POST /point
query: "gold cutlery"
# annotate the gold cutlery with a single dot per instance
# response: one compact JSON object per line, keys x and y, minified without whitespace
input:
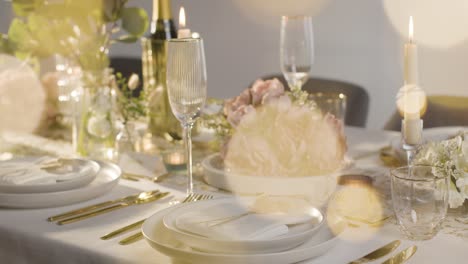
{"x":137,"y":177}
{"x":130,"y":239}
{"x":139,"y":235}
{"x":141,"y":199}
{"x":97,"y":206}
{"x":128,"y":177}
{"x":122,"y":230}
{"x":402,"y":257}
{"x":378,"y":253}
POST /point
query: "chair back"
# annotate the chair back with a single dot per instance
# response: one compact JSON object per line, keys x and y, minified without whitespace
{"x":441,"y":111}
{"x":127,"y":66}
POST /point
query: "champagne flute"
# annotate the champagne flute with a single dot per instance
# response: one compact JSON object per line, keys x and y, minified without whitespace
{"x":186,"y":87}
{"x":296,"y":49}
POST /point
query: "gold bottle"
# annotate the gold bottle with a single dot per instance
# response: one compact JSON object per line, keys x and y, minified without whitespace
{"x":162,"y":122}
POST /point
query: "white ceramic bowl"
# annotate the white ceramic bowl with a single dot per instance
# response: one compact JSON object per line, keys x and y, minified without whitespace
{"x":317,"y":189}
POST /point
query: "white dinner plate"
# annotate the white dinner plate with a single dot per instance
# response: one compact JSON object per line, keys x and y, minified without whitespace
{"x":296,"y":235}
{"x":86,"y":171}
{"x":107,"y":177}
{"x":317,"y":189}
{"x":162,"y":240}
{"x":441,"y":133}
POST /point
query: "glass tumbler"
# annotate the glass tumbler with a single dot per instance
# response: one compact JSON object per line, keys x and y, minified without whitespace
{"x":420,"y":200}
{"x":333,"y":103}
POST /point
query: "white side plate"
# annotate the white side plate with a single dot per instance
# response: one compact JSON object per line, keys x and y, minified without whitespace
{"x":107,"y":177}
{"x":86,"y":170}
{"x":317,"y":189}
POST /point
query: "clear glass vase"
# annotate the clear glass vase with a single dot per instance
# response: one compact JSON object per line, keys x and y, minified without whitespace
{"x":95,"y":125}
{"x":128,"y":139}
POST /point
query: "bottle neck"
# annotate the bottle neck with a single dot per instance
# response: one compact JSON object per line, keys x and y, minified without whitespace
{"x":162,"y":10}
{"x":162,"y":16}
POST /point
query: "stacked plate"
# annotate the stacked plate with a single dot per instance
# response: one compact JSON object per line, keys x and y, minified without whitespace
{"x":190,"y":232}
{"x":35,"y":182}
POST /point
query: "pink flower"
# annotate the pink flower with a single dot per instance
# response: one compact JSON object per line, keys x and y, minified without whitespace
{"x":235,"y":117}
{"x":263,"y":91}
{"x":233,"y":104}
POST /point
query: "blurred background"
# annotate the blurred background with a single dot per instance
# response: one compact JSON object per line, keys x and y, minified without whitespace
{"x":359,"y":41}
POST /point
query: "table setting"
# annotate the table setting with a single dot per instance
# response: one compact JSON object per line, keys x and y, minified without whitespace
{"x":158,"y":172}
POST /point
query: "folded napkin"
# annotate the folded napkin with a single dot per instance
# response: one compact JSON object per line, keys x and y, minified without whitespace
{"x":37,"y":171}
{"x":142,"y":164}
{"x":230,"y":221}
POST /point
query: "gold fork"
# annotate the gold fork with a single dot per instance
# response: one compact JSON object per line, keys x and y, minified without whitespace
{"x":137,"y":236}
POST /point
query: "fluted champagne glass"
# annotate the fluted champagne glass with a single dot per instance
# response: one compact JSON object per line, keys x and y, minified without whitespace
{"x":296,"y":49}
{"x":186,"y":86}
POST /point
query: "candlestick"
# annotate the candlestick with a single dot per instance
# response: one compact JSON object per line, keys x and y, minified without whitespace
{"x":183,"y":32}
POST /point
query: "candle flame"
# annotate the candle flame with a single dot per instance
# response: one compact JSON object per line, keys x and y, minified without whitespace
{"x":182,"y":17}
{"x":411,"y":29}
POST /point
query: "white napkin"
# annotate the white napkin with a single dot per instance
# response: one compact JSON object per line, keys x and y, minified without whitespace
{"x":22,"y":172}
{"x":142,"y":164}
{"x":247,"y":227}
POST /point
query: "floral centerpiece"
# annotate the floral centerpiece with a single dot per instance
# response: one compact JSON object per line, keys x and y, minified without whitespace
{"x":281,"y":134}
{"x":449,"y":157}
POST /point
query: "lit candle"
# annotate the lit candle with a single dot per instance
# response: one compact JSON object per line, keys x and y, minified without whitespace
{"x":183,"y":32}
{"x":174,"y":158}
{"x":412,"y":123}
{"x":411,"y":57}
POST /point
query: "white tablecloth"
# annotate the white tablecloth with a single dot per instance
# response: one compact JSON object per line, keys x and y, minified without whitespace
{"x":26,"y":236}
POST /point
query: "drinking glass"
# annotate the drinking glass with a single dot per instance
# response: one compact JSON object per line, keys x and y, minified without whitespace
{"x":186,"y":87}
{"x":420,"y":200}
{"x":332,"y":103}
{"x":296,"y":49}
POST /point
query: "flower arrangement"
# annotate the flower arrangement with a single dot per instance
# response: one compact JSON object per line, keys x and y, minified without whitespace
{"x":281,"y":134}
{"x":449,"y":157}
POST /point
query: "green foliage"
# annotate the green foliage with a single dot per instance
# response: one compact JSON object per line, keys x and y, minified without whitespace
{"x":134,"y":21}
{"x":81,"y":30}
{"x":131,"y":107}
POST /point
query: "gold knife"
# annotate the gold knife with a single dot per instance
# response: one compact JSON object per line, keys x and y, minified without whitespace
{"x":151,"y":198}
{"x":402,"y":257}
{"x":122,"y":230}
{"x":131,"y":239}
{"x":93,"y":207}
{"x":378,"y":253}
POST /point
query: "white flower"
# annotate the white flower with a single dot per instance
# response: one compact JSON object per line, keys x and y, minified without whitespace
{"x":449,"y":158}
{"x":456,"y":199}
{"x":133,"y":81}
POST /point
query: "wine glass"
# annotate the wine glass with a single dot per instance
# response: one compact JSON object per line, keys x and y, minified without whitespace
{"x":186,"y":87}
{"x":296,"y":49}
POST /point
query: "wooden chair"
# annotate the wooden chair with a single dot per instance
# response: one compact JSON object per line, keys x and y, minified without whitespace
{"x":357,"y":97}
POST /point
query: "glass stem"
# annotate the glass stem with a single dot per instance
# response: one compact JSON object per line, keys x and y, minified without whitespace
{"x":188,"y":149}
